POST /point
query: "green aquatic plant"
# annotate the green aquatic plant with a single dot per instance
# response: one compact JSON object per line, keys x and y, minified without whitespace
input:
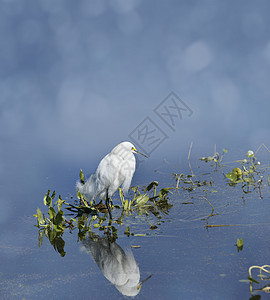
{"x":239,"y":244}
{"x":152,"y":186}
{"x":250,"y":155}
{"x":246,"y":172}
{"x":87,"y":217}
{"x":216,"y":158}
{"x":138,"y":199}
{"x":235,"y":175}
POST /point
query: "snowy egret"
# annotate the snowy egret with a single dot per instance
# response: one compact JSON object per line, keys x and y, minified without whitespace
{"x":115,"y":169}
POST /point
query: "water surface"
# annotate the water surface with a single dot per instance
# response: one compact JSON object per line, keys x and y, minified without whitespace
{"x":187,"y":259}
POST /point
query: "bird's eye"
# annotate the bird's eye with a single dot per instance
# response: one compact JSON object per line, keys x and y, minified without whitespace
{"x":133,"y":149}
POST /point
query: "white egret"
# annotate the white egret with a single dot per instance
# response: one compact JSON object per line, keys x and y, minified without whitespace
{"x":115,"y":169}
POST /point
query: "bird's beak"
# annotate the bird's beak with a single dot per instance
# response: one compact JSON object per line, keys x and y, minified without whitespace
{"x":136,"y":151}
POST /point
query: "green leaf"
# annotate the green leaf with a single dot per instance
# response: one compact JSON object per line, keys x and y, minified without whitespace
{"x":121,"y":195}
{"x":134,"y":189}
{"x":40,"y":237}
{"x":79,"y":195}
{"x":84,"y":201}
{"x":39,"y":216}
{"x":232,"y":176}
{"x":51,"y":213}
{"x":238,"y":172}
{"x":58,"y":228}
{"x":126,"y":204}
{"x":74,"y":220}
{"x":53,"y":195}
{"x":225,"y":150}
{"x":51,"y":235}
{"x":127,"y":231}
{"x":46,"y":232}
{"x":142,"y":199}
{"x":163,"y":192}
{"x":239,"y":243}
{"x":82,"y":177}
{"x":151,"y":185}
{"x":59,"y":218}
{"x":59,"y":202}
{"x":59,"y":244}
{"x":47,"y":199}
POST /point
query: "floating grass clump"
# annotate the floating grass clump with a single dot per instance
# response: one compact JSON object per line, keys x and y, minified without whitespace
{"x":87,"y":217}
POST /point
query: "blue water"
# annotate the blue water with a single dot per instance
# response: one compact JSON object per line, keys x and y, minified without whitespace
{"x":186,"y":259}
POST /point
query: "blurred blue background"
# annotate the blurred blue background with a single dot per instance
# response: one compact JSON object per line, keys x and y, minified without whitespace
{"x":77,"y":77}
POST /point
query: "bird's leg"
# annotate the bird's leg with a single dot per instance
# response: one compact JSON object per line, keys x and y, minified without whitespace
{"x":107,"y":204}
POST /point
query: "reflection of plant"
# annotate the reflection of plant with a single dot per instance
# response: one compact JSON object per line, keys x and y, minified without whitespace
{"x":187,"y":184}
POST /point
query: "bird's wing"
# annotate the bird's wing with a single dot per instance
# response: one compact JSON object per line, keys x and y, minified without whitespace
{"x":114,"y":171}
{"x":127,"y":170}
{"x":108,"y":174}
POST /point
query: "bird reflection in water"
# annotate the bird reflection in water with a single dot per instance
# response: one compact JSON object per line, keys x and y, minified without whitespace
{"x":118,"y":267}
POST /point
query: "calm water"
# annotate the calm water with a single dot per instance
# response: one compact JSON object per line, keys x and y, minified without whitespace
{"x":186,"y":259}
{"x":77,"y":78}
